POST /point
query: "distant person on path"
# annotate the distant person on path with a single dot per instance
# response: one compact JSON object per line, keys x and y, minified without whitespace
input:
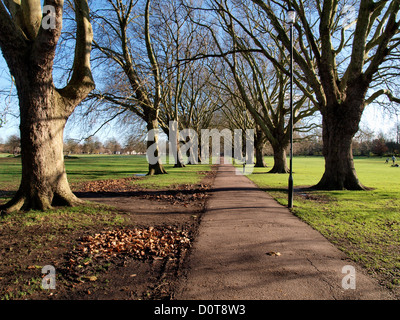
{"x":393,"y":159}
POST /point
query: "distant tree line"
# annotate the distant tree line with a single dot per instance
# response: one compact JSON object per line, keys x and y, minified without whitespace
{"x":92,"y":145}
{"x":366,"y":143}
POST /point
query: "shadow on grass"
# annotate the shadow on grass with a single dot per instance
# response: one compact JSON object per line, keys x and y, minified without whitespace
{"x":101,"y":173}
{"x":6,"y":194}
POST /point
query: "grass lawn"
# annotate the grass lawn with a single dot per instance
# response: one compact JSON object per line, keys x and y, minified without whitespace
{"x":103,"y":167}
{"x":364,"y":224}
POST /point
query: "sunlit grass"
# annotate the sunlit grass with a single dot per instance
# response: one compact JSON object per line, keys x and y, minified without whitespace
{"x":103,"y":167}
{"x":364,"y":224}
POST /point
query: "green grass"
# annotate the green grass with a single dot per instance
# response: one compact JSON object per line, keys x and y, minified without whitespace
{"x":364,"y":224}
{"x":191,"y":174}
{"x":65,"y":218}
{"x":103,"y":167}
{"x":88,"y":167}
{"x":4,"y":155}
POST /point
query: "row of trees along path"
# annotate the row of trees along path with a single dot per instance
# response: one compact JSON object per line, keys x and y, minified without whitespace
{"x":340,"y":92}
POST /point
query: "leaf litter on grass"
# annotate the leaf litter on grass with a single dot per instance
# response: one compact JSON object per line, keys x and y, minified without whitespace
{"x":141,"y":243}
{"x":109,"y":185}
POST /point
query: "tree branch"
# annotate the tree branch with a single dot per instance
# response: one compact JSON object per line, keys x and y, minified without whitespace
{"x":32,"y":13}
{"x":81,"y":82}
{"x":152,"y":57}
{"x":45,"y":43}
{"x":392,"y":28}
{"x":12,"y":39}
{"x":381,"y":92}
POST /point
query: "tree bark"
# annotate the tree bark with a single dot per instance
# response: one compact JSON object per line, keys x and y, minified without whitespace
{"x":260,"y":163}
{"x":280,"y":163}
{"x":339,"y":128}
{"x":157,"y":167}
{"x":178,"y":154}
{"x":259,"y":145}
{"x":44,"y":180}
{"x":152,"y":123}
{"x":44,"y":110}
{"x":178,"y":162}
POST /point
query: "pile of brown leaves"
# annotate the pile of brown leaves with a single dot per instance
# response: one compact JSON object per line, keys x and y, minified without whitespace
{"x":110,"y":185}
{"x":94,"y":252}
{"x":141,"y":243}
{"x":184,"y":196}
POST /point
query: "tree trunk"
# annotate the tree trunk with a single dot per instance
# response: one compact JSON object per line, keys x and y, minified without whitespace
{"x":178,"y":162}
{"x":260,"y":158}
{"x":178,"y":154}
{"x":156,"y":167}
{"x":259,"y":145}
{"x":44,"y":109}
{"x":280,"y":163}
{"x":44,"y":180}
{"x":339,"y":128}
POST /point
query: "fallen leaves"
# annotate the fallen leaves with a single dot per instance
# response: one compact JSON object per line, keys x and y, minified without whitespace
{"x":34,"y":267}
{"x":90,"y":278}
{"x":141,"y":243}
{"x":110,"y":185}
{"x":179,"y":194}
{"x":97,"y":252}
{"x":273,"y":253}
{"x":179,"y":197}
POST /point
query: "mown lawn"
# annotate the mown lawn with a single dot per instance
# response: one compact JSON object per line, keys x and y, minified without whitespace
{"x":364,"y":224}
{"x":102,"y":167}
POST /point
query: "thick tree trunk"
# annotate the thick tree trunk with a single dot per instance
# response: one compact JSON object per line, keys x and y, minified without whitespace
{"x":155,"y":169}
{"x":179,"y":164}
{"x":260,"y":157}
{"x":192,"y":155}
{"x":44,"y":180}
{"x":280,"y":162}
{"x":44,"y":109}
{"x":339,"y":128}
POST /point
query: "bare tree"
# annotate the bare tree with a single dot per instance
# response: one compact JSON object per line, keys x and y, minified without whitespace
{"x":202,"y":99}
{"x":28,"y":43}
{"x":240,"y":118}
{"x":139,"y":90}
{"x":347,"y":51}
{"x":177,"y":39}
{"x":13,"y":144}
{"x":258,"y":83}
{"x":157,"y":81}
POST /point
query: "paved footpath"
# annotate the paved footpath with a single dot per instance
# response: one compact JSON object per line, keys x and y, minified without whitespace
{"x":240,"y":226}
